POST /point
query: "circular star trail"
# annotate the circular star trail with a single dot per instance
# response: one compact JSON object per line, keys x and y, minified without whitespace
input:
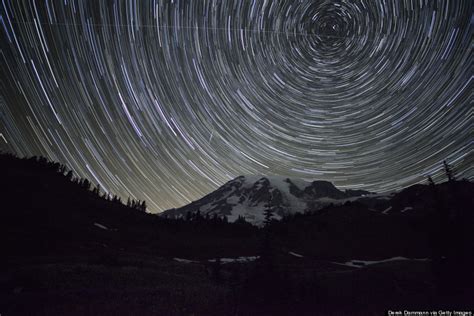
{"x":166,"y":100}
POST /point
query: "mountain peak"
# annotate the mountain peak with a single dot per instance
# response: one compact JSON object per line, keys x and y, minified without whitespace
{"x":250,"y":195}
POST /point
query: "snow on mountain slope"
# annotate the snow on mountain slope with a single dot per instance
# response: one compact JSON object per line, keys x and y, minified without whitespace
{"x":249,"y":196}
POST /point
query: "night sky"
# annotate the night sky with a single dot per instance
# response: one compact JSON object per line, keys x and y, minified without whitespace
{"x":167,"y":100}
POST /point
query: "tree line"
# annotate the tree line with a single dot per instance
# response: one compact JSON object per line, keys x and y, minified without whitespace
{"x":55,"y":168}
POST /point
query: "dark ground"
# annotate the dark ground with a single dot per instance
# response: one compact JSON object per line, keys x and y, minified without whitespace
{"x":56,"y":261}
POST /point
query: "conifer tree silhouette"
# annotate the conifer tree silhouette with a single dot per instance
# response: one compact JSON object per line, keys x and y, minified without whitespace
{"x":69,"y":175}
{"x":96,"y":190}
{"x":449,"y":171}
{"x":268,"y":214}
{"x":430,"y":181}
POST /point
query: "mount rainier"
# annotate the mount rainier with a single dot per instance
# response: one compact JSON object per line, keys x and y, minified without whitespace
{"x":248,"y":196}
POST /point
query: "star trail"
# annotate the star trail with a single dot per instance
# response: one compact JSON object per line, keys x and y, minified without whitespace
{"x":167,"y":100}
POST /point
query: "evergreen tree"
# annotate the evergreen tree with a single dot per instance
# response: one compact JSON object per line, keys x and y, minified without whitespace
{"x":69,"y":175}
{"x":86,"y":184}
{"x":430,"y":181}
{"x":197,"y":216}
{"x":96,"y":190}
{"x":449,"y":172}
{"x":189,"y":216}
{"x":241,"y":220}
{"x":268,"y":214}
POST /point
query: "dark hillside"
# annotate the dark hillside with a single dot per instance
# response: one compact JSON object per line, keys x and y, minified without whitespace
{"x":69,"y":249}
{"x":361,"y":229}
{"x":47,"y":212}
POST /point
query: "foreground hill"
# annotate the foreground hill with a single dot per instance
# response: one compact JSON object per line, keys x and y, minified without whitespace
{"x":69,"y":250}
{"x":45,"y":210}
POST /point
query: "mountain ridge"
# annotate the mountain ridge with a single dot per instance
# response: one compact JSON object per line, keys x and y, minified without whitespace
{"x":248,"y":196}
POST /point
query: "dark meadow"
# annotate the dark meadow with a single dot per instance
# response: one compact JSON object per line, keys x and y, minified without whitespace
{"x":68,"y":248}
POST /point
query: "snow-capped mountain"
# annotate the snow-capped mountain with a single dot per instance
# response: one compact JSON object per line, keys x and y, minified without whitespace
{"x":249,"y":196}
